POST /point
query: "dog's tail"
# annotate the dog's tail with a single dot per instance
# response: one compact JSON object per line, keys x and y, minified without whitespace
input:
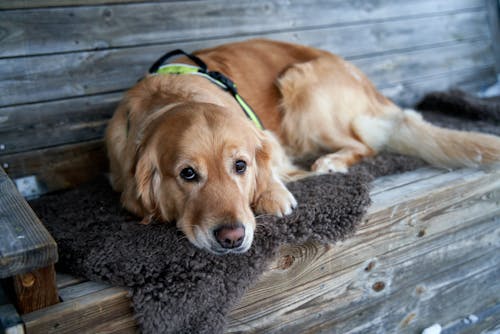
{"x":407,"y":133}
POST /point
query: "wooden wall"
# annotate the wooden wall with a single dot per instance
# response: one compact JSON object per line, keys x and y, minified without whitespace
{"x":64,"y":64}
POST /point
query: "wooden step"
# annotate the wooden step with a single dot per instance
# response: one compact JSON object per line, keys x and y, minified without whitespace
{"x":425,"y":253}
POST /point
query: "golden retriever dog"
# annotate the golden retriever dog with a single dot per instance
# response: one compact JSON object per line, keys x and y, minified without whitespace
{"x":182,"y":150}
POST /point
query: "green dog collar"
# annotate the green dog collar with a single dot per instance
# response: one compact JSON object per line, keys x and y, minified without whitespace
{"x":217,"y":78}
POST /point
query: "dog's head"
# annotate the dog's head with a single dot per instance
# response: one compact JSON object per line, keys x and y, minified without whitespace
{"x":204,"y":167}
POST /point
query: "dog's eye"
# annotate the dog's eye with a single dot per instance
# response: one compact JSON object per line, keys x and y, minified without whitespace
{"x":240,"y":166}
{"x":189,"y":174}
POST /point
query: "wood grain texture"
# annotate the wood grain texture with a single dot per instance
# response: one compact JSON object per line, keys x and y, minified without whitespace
{"x":390,"y":182}
{"x":36,"y":289}
{"x":60,"y":167}
{"x":414,"y":65}
{"x":69,"y":121}
{"x":24,"y":4}
{"x":81,"y":289}
{"x":80,"y":315}
{"x":66,"y":280}
{"x":58,"y":76}
{"x":493,"y":9}
{"x":407,"y":93}
{"x":440,"y":298}
{"x":416,"y":230}
{"x":25,"y":244}
{"x":122,"y":325}
{"x":487,"y":322}
{"x":103,"y":27}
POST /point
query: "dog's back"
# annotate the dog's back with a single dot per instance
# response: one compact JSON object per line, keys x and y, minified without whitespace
{"x":315,"y":102}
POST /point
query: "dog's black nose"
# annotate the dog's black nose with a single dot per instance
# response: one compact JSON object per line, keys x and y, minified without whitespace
{"x":230,"y":236}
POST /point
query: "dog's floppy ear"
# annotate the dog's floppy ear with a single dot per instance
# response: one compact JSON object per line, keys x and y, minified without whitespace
{"x":146,"y":176}
{"x":263,"y":159}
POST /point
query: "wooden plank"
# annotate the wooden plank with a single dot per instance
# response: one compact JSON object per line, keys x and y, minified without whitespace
{"x":80,"y":315}
{"x":83,"y":73}
{"x":25,"y":244}
{"x":346,"y":292}
{"x":82,"y":119}
{"x":399,"y":220}
{"x":59,"y":167}
{"x":459,"y":291}
{"x":493,"y":8}
{"x":36,"y":290}
{"x":407,"y":93}
{"x":81,"y":289}
{"x":389,"y":182}
{"x":487,"y":322}
{"x":65,"y":280}
{"x":35,"y":126}
{"x":416,"y":65}
{"x":123,"y":325}
{"x":125,"y":25}
{"x":23,"y":4}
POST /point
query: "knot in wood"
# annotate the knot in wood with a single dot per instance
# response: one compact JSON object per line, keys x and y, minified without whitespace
{"x":378,"y":286}
{"x":107,"y":13}
{"x":286,"y":262}
{"x":28,"y":280}
{"x":370,"y":266}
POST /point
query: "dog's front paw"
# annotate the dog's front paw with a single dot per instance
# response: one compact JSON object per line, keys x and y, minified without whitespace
{"x":277,"y":201}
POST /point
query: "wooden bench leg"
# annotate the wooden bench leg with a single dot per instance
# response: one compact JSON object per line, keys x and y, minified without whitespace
{"x":36,"y":289}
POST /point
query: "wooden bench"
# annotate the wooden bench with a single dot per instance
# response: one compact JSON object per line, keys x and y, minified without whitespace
{"x":426,"y":251}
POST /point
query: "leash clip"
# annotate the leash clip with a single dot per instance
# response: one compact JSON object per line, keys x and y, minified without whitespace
{"x":230,"y":85}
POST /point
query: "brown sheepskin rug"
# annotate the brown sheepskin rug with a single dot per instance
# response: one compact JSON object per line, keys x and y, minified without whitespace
{"x":176,"y":288}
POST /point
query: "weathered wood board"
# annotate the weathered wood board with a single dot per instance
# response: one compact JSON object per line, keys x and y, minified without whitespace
{"x":27,"y":251}
{"x":114,"y":69}
{"x":424,"y":254}
{"x":90,"y":27}
{"x":25,"y":244}
{"x":60,"y":167}
{"x":424,"y":236}
{"x":493,"y":9}
{"x":36,"y":289}
{"x":82,"y":314}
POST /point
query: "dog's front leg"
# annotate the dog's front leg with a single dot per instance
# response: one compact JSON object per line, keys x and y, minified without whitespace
{"x":275,"y":199}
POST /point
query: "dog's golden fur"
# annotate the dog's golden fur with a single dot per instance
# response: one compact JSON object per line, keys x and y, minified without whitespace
{"x":310,"y":101}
